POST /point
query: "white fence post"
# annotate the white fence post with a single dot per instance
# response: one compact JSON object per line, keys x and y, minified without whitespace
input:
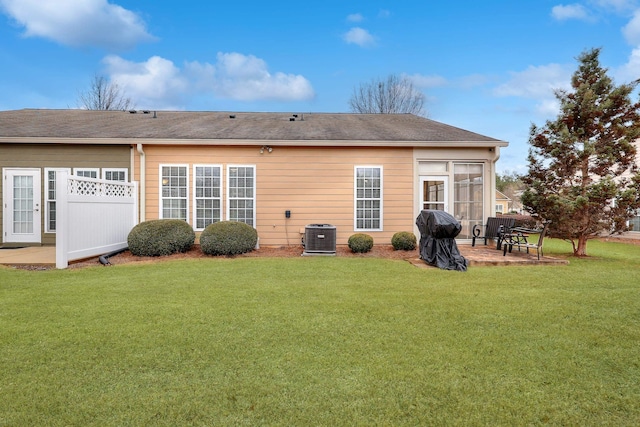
{"x":62,"y":239}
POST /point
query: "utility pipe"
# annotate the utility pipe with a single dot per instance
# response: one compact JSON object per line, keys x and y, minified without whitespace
{"x":143,"y":183}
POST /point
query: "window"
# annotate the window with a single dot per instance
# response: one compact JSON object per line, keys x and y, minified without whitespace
{"x":368,"y":198}
{"x":50,"y":197}
{"x":634,"y":222}
{"x":174,"y":190}
{"x":86,"y":172}
{"x":499,"y":208}
{"x":207,"y":189}
{"x":241,"y":183}
{"x":119,"y":174}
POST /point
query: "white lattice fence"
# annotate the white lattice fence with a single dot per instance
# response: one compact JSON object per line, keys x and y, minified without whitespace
{"x":94,"y":216}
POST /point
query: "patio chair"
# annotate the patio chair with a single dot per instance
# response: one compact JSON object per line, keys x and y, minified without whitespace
{"x":520,"y":239}
{"x":493,"y":229}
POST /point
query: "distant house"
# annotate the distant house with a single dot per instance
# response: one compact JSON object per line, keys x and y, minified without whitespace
{"x":503,"y":203}
{"x":369,"y":173}
{"x":634,"y":223}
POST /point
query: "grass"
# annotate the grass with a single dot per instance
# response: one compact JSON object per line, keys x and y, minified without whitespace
{"x":323,"y":341}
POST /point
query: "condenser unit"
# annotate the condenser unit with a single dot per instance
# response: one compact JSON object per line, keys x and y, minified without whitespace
{"x":319,"y":239}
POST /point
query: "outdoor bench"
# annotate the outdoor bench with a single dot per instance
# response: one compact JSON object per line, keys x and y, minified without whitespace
{"x":493,"y":229}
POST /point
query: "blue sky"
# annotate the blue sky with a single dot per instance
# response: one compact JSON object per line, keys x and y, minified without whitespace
{"x":486,"y":66}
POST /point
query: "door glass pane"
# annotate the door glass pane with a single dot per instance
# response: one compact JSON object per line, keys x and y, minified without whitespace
{"x":22,"y":204}
{"x":433,"y":195}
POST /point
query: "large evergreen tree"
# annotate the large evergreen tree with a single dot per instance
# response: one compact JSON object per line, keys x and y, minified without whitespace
{"x":583,"y":174}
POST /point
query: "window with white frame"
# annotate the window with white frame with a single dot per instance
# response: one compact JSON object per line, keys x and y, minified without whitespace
{"x":241,"y":195}
{"x":50,"y":197}
{"x":368,"y":198}
{"x":174,"y":192}
{"x":207,"y":195}
{"x":499,"y":208}
{"x":86,"y":172}
{"x":115,"y":174}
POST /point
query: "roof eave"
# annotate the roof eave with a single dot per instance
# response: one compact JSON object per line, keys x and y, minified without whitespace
{"x":250,"y":142}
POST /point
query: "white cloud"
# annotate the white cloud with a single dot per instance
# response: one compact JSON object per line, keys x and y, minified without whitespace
{"x":631,"y":31}
{"x":617,"y":5}
{"x":570,"y":11}
{"x":359,"y":36}
{"x":78,"y":22}
{"x":247,"y":78}
{"x":159,"y":83}
{"x":423,"y":81}
{"x":536,"y":82}
{"x":631,"y":70}
{"x":548,"y":107}
{"x":355,"y":17}
{"x":155,"y":83}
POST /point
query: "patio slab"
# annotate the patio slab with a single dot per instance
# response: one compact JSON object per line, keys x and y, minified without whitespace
{"x":30,"y":255}
{"x":489,"y":255}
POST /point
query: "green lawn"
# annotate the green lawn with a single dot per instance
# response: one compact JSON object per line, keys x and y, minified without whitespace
{"x":323,"y":341}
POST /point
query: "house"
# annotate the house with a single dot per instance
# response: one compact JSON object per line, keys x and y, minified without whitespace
{"x":369,"y":173}
{"x":634,"y":223}
{"x":503,"y":203}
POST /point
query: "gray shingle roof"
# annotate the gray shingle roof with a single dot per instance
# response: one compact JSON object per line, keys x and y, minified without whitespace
{"x":184,"y":125}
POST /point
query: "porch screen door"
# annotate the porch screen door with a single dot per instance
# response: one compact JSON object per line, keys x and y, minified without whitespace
{"x":22,"y":214}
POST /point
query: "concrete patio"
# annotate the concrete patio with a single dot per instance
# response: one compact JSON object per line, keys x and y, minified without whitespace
{"x":45,"y":256}
{"x":31,"y":255}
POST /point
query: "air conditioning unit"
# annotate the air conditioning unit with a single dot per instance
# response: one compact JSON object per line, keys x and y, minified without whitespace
{"x":319,"y":239}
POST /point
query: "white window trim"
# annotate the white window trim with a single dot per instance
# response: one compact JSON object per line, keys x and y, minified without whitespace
{"x":355,"y":197}
{"x":445,"y":181}
{"x":96,"y":170}
{"x":46,"y":195}
{"x":195,"y":210}
{"x":125,"y":170}
{"x":160,"y":198}
{"x":227,"y":192}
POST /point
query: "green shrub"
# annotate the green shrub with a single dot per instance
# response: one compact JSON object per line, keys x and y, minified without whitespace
{"x":161,"y":237}
{"x":404,"y":241}
{"x":228,"y":238}
{"x":360,"y":243}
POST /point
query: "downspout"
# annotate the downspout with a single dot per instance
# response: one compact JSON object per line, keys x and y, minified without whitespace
{"x":143,"y":183}
{"x":492,"y":184}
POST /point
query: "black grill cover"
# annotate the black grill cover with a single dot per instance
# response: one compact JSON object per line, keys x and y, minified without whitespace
{"x":438,"y":247}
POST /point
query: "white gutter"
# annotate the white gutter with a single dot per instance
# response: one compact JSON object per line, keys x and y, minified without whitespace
{"x":143,"y":184}
{"x":258,"y":142}
{"x":496,"y":157}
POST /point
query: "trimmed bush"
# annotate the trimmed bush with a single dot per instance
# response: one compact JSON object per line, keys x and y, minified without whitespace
{"x":228,"y":238}
{"x":161,"y":237}
{"x":360,"y":243}
{"x":404,"y":241}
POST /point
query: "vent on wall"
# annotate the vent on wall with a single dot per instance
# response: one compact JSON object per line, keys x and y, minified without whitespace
{"x":320,"y":239}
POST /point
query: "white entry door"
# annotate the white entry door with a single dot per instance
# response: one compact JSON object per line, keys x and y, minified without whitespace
{"x":22,"y":210}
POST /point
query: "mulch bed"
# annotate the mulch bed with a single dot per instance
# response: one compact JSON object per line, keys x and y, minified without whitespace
{"x":378,"y":251}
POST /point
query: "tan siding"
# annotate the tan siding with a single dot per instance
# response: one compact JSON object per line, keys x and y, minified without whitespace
{"x":315,"y":184}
